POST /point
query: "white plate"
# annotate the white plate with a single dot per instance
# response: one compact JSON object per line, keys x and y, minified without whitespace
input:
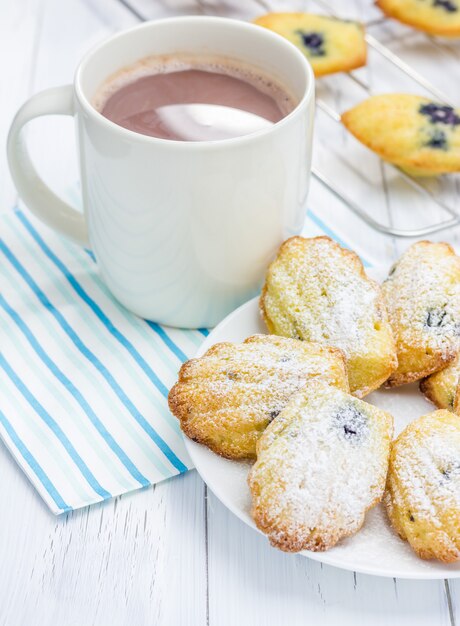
{"x":375,"y":549}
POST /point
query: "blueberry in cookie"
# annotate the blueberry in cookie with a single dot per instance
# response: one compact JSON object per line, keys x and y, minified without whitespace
{"x":226,"y":398}
{"x":417,"y":135}
{"x":331,"y":45}
{"x":321,"y":464}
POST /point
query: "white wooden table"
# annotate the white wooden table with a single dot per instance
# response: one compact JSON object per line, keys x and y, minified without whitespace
{"x":172,"y":555}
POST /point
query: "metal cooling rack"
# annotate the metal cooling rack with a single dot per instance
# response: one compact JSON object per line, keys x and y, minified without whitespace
{"x":373,"y":43}
{"x":395,"y":60}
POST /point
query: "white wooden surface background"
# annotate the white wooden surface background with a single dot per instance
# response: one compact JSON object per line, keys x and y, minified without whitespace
{"x":172,"y":555}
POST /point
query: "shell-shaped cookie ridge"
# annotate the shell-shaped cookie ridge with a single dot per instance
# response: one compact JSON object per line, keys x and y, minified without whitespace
{"x":321,"y":464}
{"x":423,"y":486}
{"x":318,"y":291}
{"x":227,"y":397}
{"x":422,"y":296}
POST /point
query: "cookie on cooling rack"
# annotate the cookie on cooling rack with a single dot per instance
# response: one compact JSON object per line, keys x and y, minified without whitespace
{"x":422,"y":497}
{"x":320,"y":466}
{"x":418,"y":135}
{"x":331,"y":45}
{"x":226,"y":398}
{"x":436,"y":17}
{"x":442,"y":388}
{"x":318,"y":291}
{"x":422,"y":294}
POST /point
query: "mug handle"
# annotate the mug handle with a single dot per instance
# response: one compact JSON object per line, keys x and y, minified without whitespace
{"x":36,"y":194}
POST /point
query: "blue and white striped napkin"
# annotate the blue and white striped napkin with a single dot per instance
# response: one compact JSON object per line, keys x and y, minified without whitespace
{"x":83,"y":382}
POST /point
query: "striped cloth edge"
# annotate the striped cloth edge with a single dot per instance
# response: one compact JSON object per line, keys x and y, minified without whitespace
{"x":84,"y":383}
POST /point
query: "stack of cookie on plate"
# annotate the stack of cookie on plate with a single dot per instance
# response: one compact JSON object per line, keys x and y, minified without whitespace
{"x":292,"y":400}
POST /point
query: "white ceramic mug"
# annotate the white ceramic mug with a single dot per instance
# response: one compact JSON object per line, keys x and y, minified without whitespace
{"x":182,"y":231}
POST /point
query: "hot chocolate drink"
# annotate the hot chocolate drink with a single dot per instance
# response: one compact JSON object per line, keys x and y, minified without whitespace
{"x":193,"y":99}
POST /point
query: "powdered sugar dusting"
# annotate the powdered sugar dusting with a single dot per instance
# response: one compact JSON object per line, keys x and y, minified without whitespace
{"x":317,"y":291}
{"x":423,"y":495}
{"x":422,"y":294}
{"x":321,"y":464}
{"x":324,"y":301}
{"x":226,"y":398}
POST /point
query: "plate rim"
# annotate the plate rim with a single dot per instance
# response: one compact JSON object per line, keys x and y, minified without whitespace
{"x":326,"y":557}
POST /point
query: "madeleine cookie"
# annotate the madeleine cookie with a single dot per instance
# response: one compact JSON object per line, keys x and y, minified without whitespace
{"x":226,"y":398}
{"x":331,"y":45}
{"x":442,"y":388}
{"x":423,"y":486}
{"x":422,"y":294}
{"x":437,"y":17}
{"x":317,"y":291}
{"x":417,"y":135}
{"x":321,"y":464}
